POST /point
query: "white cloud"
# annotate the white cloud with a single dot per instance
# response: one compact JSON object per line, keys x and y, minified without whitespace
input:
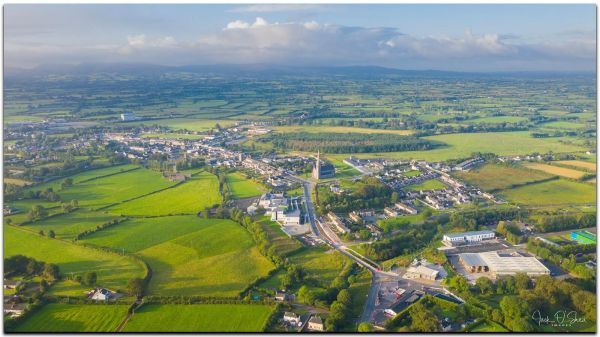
{"x":269,"y":8}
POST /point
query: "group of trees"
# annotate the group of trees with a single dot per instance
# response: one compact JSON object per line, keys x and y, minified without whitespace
{"x":347,"y":142}
{"x":105,"y":225}
{"x":369,"y":192}
{"x":406,"y":242}
{"x":555,"y":223}
{"x":37,"y":212}
{"x":511,"y":232}
{"x":20,"y":265}
{"x":564,"y":256}
{"x":522,"y":297}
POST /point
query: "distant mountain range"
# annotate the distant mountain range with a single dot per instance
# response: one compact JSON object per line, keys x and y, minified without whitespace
{"x":260,"y":70}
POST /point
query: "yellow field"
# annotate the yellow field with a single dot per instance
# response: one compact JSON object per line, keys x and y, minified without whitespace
{"x":556,"y":170}
{"x":579,"y":163}
{"x":337,"y":129}
{"x":19,"y":182}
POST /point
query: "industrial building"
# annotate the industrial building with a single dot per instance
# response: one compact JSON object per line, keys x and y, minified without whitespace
{"x":421,"y":272}
{"x":467,"y":237}
{"x":584,"y":237}
{"x":500,"y":263}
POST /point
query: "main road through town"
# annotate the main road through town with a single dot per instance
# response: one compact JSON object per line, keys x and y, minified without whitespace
{"x":330,"y":238}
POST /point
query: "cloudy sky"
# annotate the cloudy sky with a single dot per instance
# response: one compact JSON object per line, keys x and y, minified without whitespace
{"x":444,"y":37}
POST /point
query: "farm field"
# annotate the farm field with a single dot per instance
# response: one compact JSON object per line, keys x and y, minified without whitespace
{"x":337,"y":129}
{"x":578,"y":163}
{"x":219,"y":259}
{"x":137,"y":234}
{"x":496,"y":120}
{"x":492,"y":177}
{"x":556,"y":170}
{"x":462,"y":145}
{"x":86,"y":175}
{"x":55,"y":317}
{"x":67,"y":226}
{"x":199,"y":317}
{"x":115,"y":188}
{"x":563,"y":125}
{"x":190,"y":197}
{"x":241,"y":187}
{"x":199,"y":125}
{"x":554,"y":192}
{"x":113,"y":271}
{"x":172,"y":136}
{"x":282,"y":243}
{"x":431,"y":184}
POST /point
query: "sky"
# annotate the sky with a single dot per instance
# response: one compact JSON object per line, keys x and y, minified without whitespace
{"x":508,"y":37}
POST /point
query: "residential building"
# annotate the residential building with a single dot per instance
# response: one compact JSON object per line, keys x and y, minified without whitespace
{"x":291,"y":318}
{"x":315,"y":323}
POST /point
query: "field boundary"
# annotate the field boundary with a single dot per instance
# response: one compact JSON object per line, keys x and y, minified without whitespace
{"x":513,"y":186}
{"x":140,"y":196}
{"x":108,"y":175}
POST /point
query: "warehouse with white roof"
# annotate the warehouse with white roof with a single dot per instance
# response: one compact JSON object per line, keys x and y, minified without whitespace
{"x":500,"y":263}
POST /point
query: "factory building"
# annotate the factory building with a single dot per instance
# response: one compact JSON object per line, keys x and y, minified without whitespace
{"x":500,"y":263}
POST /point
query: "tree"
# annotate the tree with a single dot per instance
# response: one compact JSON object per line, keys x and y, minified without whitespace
{"x":422,"y":319}
{"x":516,"y":314}
{"x":135,"y":287}
{"x":51,"y":234}
{"x":44,"y":285}
{"x":41,"y":233}
{"x":344,"y":297}
{"x":484,"y":285}
{"x":90,"y":278}
{"x":522,"y":281}
{"x":51,"y":272}
{"x":365,"y":327}
{"x":394,"y":197}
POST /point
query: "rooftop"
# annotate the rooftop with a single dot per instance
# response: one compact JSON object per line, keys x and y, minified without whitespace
{"x":456,"y":235}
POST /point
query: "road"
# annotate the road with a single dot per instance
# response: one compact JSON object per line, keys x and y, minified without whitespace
{"x":330,"y":238}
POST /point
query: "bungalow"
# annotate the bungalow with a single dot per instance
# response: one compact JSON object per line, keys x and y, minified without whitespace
{"x":281,"y":296}
{"x":100,"y":294}
{"x":315,"y":323}
{"x":14,"y":309}
{"x":290,"y":317}
{"x":10,"y":284}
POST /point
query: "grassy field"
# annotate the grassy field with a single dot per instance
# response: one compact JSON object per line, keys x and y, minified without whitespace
{"x":55,"y":317}
{"x":242,"y":187}
{"x":411,"y":173}
{"x":282,"y":243}
{"x":199,"y":318}
{"x":219,"y":259}
{"x":86,"y":175}
{"x":140,"y":233}
{"x":563,"y":125}
{"x":492,"y":177}
{"x":113,"y":270}
{"x":462,"y":145}
{"x":321,"y":263}
{"x":190,"y":124}
{"x":18,"y":182}
{"x":554,"y":192}
{"x":578,"y":163}
{"x":202,"y":190}
{"x":115,"y":188}
{"x":496,"y":120}
{"x":337,"y":129}
{"x":69,"y":225}
{"x":432,"y":184}
{"x":555,"y":170}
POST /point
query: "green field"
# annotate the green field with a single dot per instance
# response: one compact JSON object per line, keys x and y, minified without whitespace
{"x":282,"y":243}
{"x":199,"y":318}
{"x":55,"y":317}
{"x":69,"y":225}
{"x":431,"y":184}
{"x":190,"y":197}
{"x":241,"y":187}
{"x":321,"y":263}
{"x":85,"y":175}
{"x":462,"y":145}
{"x":190,"y":124}
{"x":554,"y":192}
{"x":172,"y":136}
{"x":496,"y":120}
{"x":219,"y":259}
{"x":491,"y":177}
{"x":113,"y":270}
{"x":115,"y":188}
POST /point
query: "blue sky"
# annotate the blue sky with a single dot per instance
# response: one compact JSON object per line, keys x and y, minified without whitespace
{"x":446,"y":37}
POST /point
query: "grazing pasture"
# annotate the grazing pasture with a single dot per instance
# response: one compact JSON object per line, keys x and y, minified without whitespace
{"x":113,"y":271}
{"x":58,"y":317}
{"x":219,"y":259}
{"x":137,"y":234}
{"x":115,"y":188}
{"x":321,"y":263}
{"x":338,"y":129}
{"x":492,"y":177}
{"x":554,"y":192}
{"x":84,"y":176}
{"x":556,"y":170}
{"x":190,"y":197}
{"x":241,"y":187}
{"x":199,"y":318}
{"x":67,"y":226}
{"x":282,"y":243}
